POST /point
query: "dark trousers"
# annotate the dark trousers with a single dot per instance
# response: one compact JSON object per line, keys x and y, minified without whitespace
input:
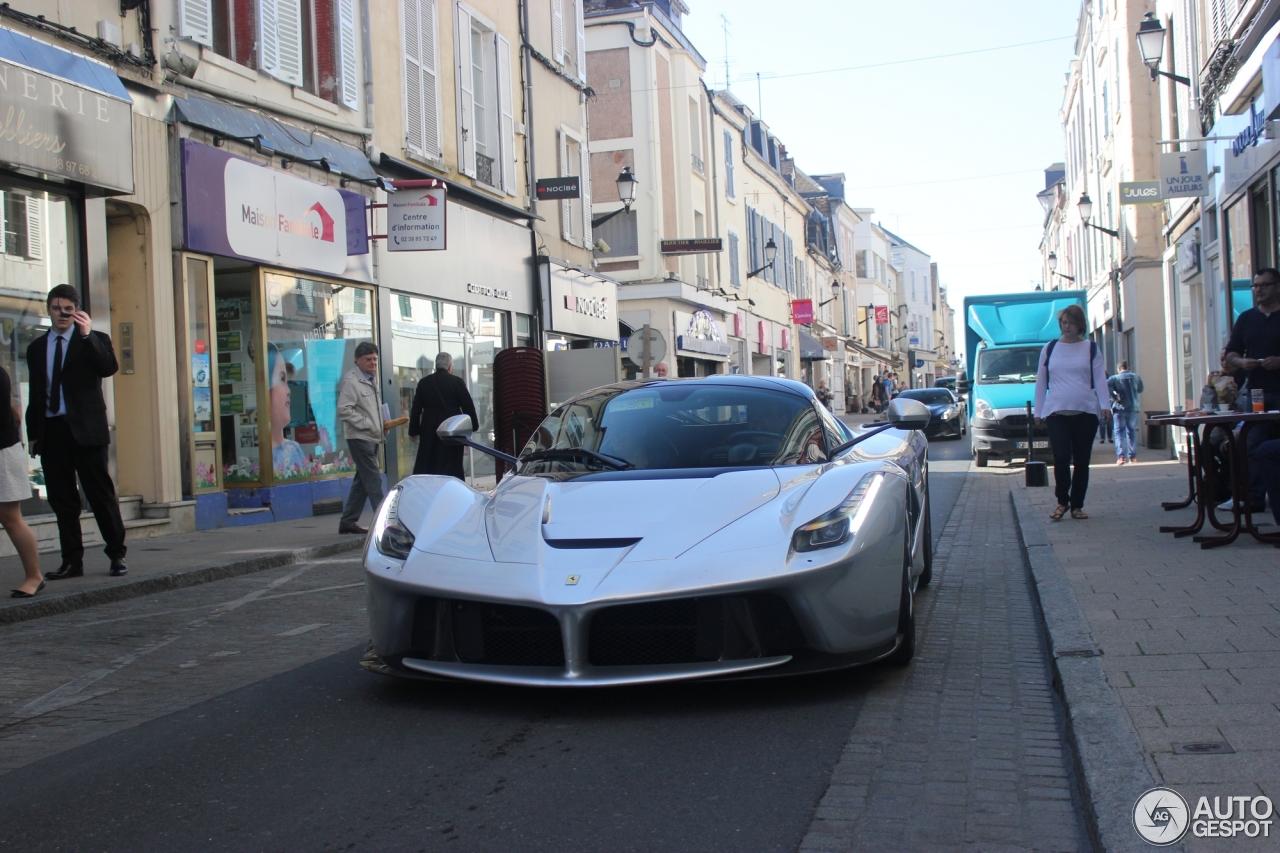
{"x":1071,"y":437}
{"x":1258,"y":434}
{"x":63,"y":459}
{"x":1266,"y":458}
{"x":367,"y":482}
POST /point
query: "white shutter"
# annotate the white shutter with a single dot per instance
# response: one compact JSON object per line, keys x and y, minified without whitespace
{"x":566,"y":206}
{"x":580,"y":34}
{"x":349,"y":82}
{"x":728,"y":164}
{"x":413,"y":76}
{"x":35,"y":229}
{"x":268,"y":37}
{"x":557,"y":30}
{"x":429,"y":65}
{"x":584,"y":181}
{"x":507,"y":125}
{"x":289,"y":40}
{"x":466,"y":98}
{"x":195,"y":21}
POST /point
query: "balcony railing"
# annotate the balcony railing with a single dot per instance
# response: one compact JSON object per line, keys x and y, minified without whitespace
{"x":484,"y":170}
{"x":698,"y":165}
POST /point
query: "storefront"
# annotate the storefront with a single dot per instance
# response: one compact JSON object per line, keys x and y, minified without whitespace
{"x":66,"y":142}
{"x":701,"y":346}
{"x":276,"y":292}
{"x":472,"y":300}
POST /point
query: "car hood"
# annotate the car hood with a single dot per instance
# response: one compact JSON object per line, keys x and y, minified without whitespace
{"x":666,"y":517}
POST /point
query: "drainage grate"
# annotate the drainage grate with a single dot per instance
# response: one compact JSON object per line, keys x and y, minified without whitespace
{"x":1215,"y":747}
{"x":1078,"y":653}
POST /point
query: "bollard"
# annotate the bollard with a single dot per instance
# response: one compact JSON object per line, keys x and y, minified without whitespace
{"x":1037,"y":473}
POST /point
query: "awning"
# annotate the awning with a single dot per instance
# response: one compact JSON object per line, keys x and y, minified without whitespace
{"x":810,"y":347}
{"x":287,"y":140}
{"x":63,"y":64}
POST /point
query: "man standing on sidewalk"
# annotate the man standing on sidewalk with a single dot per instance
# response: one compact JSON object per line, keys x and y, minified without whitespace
{"x":1255,"y":347}
{"x":67,"y":427}
{"x":1125,"y":386}
{"x":360,"y":410}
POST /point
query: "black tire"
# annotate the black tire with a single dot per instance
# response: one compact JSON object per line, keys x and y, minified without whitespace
{"x":926,"y":574}
{"x":906,"y":614}
{"x":980,"y":458}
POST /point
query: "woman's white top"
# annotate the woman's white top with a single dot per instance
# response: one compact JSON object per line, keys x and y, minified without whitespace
{"x":1064,"y":387}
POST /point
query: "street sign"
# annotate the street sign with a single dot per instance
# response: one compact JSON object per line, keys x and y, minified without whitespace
{"x":657,"y":345}
{"x":1184,"y":174}
{"x":549,"y":189}
{"x":1139,"y":192}
{"x":416,"y":220}
{"x":692,"y":246}
{"x":802,"y":311}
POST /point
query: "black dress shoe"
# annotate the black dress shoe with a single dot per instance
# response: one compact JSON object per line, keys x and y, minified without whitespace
{"x":118,"y":568}
{"x":17,"y":593}
{"x":66,"y":570}
{"x":352,"y":528}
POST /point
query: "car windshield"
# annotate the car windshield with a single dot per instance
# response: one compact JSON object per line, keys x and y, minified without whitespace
{"x":677,"y":425}
{"x":929,"y":396}
{"x":1005,"y":366}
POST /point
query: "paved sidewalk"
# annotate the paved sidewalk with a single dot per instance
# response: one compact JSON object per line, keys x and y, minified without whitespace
{"x":1189,"y":637}
{"x":171,"y":562}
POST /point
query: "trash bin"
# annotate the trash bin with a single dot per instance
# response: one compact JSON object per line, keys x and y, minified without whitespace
{"x":1037,"y":474}
{"x":1157,"y":434}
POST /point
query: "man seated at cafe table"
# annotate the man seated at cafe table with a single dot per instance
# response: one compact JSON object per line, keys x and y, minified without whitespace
{"x":1254,"y":347}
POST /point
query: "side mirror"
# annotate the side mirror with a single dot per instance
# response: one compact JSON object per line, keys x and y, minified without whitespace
{"x":455,"y":430}
{"x":904,"y":413}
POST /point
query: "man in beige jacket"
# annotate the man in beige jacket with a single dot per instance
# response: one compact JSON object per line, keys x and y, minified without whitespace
{"x":360,"y":410}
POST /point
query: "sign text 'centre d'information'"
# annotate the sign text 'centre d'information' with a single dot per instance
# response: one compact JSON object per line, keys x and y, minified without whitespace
{"x":416,"y":220}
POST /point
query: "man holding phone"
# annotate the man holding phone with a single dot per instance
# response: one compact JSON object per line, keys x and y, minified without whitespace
{"x":67,"y":427}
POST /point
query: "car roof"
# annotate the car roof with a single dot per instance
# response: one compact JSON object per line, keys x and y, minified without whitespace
{"x":771,"y":383}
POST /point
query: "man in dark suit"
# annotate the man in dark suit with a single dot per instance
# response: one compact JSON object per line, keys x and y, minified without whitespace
{"x":440,"y":395}
{"x":67,"y":426}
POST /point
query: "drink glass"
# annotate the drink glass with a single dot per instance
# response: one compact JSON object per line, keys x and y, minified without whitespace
{"x":1258,"y":406}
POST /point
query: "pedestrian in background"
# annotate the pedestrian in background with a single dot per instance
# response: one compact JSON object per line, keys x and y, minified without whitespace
{"x":1104,"y":427}
{"x":67,"y":427}
{"x":824,"y":394}
{"x":1254,"y":346}
{"x":360,"y":410}
{"x":1071,"y":396}
{"x":439,"y":396}
{"x":1125,"y":387}
{"x":15,"y":487}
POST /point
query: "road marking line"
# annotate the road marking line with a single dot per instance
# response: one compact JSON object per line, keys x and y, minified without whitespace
{"x":293,"y":632}
{"x":73,"y":691}
{"x":254,"y":596}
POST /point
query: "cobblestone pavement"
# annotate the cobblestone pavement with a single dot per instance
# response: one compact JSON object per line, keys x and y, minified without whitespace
{"x":963,"y":750}
{"x":71,"y":679}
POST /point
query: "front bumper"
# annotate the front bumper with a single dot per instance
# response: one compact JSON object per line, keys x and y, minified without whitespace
{"x":1001,"y":438}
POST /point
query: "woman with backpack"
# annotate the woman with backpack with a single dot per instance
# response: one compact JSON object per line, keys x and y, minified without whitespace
{"x":1071,"y":396}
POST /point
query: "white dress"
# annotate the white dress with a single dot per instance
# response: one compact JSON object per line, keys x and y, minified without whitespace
{"x":15,"y":479}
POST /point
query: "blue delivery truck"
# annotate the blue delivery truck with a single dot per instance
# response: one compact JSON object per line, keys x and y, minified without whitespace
{"x":1004,"y":335}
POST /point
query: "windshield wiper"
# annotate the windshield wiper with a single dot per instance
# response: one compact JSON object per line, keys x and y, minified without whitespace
{"x":615,"y":462}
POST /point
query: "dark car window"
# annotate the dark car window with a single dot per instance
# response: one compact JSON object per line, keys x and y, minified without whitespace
{"x":928,"y":396}
{"x":681,"y":425}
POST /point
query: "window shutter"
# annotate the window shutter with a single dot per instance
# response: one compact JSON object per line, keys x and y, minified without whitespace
{"x":728,"y":164}
{"x":410,"y":30}
{"x":507,"y":125}
{"x":35,"y":229}
{"x":584,"y":181}
{"x":466,"y":97}
{"x":195,"y":21}
{"x":735,"y":269}
{"x":268,"y":37}
{"x":557,"y":30}
{"x":581,"y":45}
{"x":349,"y":85}
{"x":289,"y":40}
{"x":429,"y":67}
{"x":778,"y":258}
{"x":566,"y":206}
{"x":788,"y":264}
{"x":751,"y":239}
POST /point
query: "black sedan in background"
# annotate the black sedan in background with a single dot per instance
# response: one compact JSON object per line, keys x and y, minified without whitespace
{"x":947,"y":414}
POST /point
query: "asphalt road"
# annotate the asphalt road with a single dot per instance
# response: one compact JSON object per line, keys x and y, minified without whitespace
{"x":323,"y":756}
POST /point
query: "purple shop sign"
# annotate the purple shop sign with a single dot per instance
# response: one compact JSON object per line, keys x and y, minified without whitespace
{"x":236,"y":208}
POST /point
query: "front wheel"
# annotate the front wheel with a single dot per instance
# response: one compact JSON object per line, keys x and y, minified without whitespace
{"x":906,"y":649}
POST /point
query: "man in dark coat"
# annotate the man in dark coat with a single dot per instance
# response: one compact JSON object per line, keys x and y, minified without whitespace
{"x":440,"y":395}
{"x":67,"y":427}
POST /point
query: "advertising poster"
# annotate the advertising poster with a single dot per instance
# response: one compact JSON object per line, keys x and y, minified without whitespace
{"x":325,"y":362}
{"x":200,"y":370}
{"x":229,"y":342}
{"x":203,"y":404}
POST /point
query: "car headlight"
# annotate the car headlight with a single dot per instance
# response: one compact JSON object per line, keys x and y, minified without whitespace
{"x":948,"y":414}
{"x":390,"y":537}
{"x":841,"y":524}
{"x":982,"y":409}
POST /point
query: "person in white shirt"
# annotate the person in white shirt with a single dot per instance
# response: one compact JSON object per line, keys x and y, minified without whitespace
{"x":1071,"y":395}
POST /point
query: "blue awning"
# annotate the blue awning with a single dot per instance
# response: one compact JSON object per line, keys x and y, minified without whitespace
{"x":810,"y":347}
{"x":63,"y":64}
{"x":288,"y":141}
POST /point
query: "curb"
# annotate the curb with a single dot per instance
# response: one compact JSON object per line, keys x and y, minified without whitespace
{"x":53,"y":605}
{"x":1108,"y":754}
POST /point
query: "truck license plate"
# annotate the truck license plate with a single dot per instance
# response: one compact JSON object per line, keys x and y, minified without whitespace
{"x":1038,"y":445}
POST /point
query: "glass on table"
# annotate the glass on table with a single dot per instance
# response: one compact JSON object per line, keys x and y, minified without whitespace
{"x":1258,"y":403}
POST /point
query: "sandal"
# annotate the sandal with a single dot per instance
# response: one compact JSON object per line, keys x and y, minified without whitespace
{"x":1079,"y":514}
{"x":1058,"y":513}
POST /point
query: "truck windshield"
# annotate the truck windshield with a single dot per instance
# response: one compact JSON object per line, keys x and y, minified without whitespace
{"x":1008,"y":366}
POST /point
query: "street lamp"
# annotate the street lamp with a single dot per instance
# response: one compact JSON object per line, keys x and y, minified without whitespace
{"x":1151,"y":35}
{"x":1085,"y":205}
{"x":627,"y":182}
{"x":1053,"y":267}
{"x":770,"y":252}
{"x":835,"y":294}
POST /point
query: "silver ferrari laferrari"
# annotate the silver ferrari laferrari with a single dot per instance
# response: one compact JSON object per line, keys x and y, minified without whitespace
{"x":722,"y":527}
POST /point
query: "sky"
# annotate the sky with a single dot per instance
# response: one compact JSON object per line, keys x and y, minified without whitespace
{"x":949,"y":151}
